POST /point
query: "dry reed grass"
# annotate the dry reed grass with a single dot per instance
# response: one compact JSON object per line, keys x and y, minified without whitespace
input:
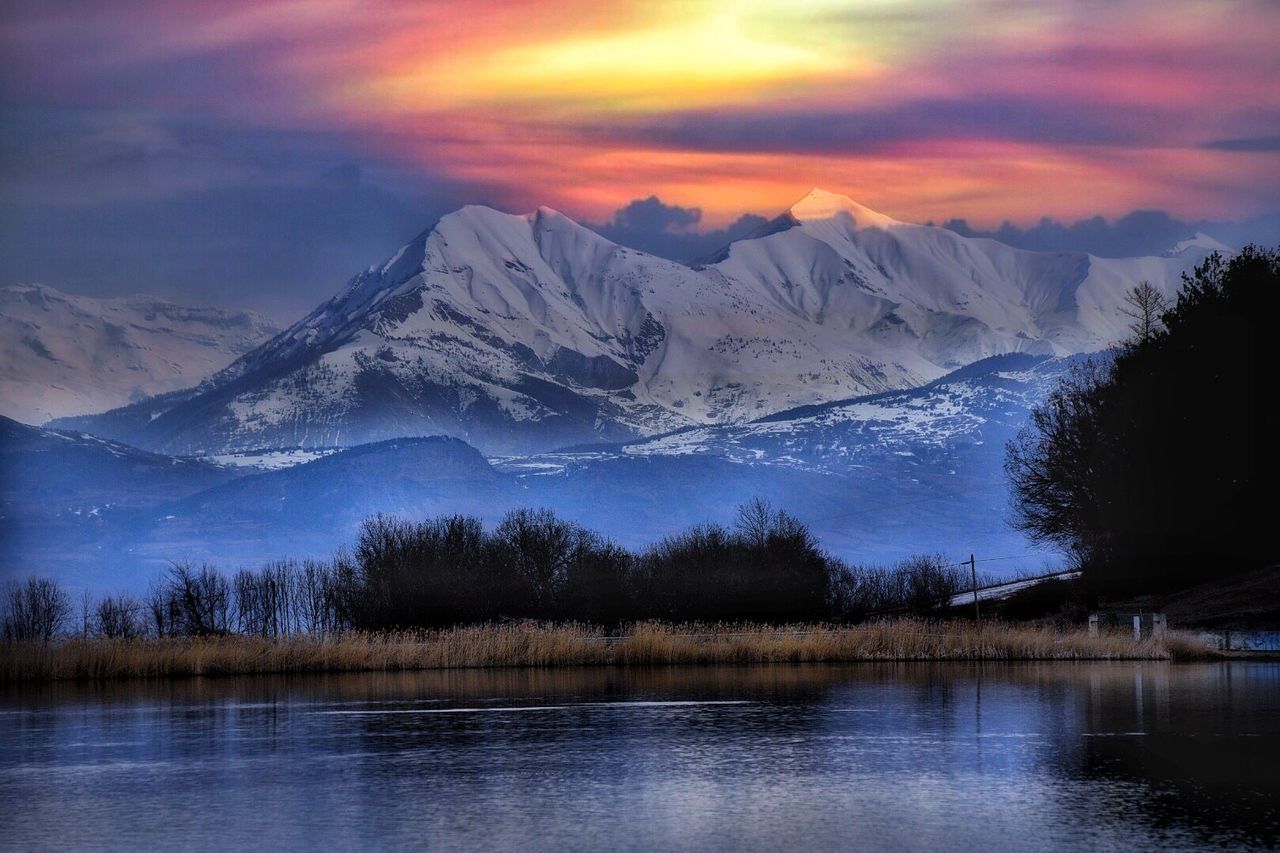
{"x":533,"y":644}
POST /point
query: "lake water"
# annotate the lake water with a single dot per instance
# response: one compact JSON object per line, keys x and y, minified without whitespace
{"x":916,"y":757}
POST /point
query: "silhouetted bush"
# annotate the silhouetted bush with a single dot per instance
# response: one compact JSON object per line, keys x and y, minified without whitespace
{"x":555,"y":562}
{"x":1059,"y":600}
{"x":930,"y":583}
{"x":534,"y":564}
{"x":597,"y":586}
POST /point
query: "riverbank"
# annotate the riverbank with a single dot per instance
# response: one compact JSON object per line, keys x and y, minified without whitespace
{"x":531,"y":644}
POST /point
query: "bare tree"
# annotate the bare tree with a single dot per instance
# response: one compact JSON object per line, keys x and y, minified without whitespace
{"x":86,"y":611}
{"x":118,"y":618}
{"x":159,"y":609}
{"x":270,"y":602}
{"x":199,"y":600}
{"x":315,"y":598}
{"x":36,"y":610}
{"x":1144,"y":306}
{"x":540,"y":547}
{"x":755,"y":518}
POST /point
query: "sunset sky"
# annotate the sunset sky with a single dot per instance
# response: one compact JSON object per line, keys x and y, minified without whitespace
{"x":114,"y":112}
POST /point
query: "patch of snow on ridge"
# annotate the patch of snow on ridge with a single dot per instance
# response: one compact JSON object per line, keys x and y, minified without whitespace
{"x":271,"y":460}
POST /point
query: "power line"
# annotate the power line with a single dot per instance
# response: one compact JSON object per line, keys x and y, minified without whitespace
{"x":996,"y":559}
{"x":1012,"y":557}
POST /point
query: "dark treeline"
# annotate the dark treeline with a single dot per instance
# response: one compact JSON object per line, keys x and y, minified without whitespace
{"x":534,"y":565}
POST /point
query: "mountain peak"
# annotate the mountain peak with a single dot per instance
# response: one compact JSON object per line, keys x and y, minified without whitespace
{"x":820,"y":204}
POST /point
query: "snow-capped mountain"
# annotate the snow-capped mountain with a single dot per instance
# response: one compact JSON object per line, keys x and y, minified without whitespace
{"x":65,"y":355}
{"x":525,"y":332}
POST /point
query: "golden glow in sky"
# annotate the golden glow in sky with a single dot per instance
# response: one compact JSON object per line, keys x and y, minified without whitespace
{"x":691,"y":62}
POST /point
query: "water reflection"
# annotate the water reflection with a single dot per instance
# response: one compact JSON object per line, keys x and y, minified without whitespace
{"x":919,"y":756}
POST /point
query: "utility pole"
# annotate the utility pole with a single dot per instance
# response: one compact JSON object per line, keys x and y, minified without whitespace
{"x":973,"y":574}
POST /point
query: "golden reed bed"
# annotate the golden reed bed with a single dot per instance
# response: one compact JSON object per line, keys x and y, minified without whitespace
{"x":533,"y":644}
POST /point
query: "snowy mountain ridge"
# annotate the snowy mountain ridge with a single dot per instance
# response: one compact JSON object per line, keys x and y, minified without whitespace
{"x":63,"y":354}
{"x":520,"y":333}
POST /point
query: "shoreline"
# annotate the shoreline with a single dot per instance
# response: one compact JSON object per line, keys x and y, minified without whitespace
{"x":534,"y":644}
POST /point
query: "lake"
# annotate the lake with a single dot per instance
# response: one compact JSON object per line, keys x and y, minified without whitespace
{"x":1034,"y":756}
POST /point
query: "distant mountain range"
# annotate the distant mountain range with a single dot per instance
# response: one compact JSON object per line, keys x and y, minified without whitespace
{"x":68,"y":355}
{"x":521,"y":334}
{"x":862,"y":372}
{"x":877,"y":477}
